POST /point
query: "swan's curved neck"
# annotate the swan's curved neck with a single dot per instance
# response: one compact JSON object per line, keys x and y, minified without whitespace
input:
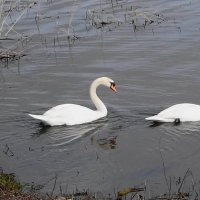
{"x":95,"y":99}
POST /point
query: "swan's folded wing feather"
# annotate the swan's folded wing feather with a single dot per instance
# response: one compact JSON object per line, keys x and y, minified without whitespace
{"x":157,"y":118}
{"x":67,"y":109}
{"x":72,"y":114}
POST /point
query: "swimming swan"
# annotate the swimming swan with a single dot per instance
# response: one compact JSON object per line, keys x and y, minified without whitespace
{"x":184,"y":112}
{"x":72,"y":114}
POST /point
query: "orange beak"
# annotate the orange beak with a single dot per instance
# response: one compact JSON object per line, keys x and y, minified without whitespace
{"x":113,"y":88}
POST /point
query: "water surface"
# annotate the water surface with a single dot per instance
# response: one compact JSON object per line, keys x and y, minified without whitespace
{"x":154,"y":67}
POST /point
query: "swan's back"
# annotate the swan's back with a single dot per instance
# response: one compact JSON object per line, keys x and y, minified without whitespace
{"x":71,"y":114}
{"x":184,"y":112}
{"x":71,"y":109}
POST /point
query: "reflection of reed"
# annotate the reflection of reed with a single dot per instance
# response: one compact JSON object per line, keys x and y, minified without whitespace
{"x":8,"y":151}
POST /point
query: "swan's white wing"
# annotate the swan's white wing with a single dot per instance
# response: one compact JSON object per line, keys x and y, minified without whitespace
{"x":184,"y":112}
{"x":70,"y":114}
{"x":67,"y":109}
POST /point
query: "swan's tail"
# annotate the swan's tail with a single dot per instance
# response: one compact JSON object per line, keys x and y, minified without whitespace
{"x":40,"y":117}
{"x":157,"y":118}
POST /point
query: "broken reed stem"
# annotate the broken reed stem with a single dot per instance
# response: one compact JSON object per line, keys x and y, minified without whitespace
{"x":183,"y":179}
{"x":12,"y":46}
{"x":28,"y":48}
{"x":3,"y":21}
{"x":4,"y":18}
{"x":15,"y":22}
{"x":71,"y":17}
{"x":1,"y":16}
{"x":54,"y":185}
{"x":164,"y":169}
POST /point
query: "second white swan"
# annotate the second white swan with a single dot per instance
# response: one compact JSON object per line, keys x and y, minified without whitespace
{"x":184,"y":112}
{"x":72,"y":114}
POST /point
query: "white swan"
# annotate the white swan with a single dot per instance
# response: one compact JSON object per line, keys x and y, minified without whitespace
{"x":184,"y":112}
{"x":72,"y":114}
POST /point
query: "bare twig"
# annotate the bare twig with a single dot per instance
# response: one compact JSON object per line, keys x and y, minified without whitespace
{"x":164,"y":168}
{"x":54,"y":185}
{"x":8,"y":151}
{"x":183,"y":179}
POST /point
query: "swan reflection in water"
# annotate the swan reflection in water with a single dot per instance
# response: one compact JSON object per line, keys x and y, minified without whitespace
{"x":62,"y":135}
{"x":59,"y":136}
{"x":104,"y":143}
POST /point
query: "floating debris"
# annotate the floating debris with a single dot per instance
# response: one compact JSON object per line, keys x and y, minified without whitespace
{"x":9,"y":55}
{"x":126,"y":191}
{"x":99,"y":19}
{"x":178,"y":196}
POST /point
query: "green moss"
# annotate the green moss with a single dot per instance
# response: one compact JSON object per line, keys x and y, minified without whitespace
{"x":9,"y":182}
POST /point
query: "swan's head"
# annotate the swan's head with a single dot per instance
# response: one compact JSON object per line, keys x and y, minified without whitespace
{"x":108,"y":82}
{"x":113,"y":86}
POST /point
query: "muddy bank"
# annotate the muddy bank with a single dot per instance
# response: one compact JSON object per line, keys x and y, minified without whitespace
{"x":12,"y":189}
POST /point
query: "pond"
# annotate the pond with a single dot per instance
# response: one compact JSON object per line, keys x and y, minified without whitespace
{"x":150,"y":49}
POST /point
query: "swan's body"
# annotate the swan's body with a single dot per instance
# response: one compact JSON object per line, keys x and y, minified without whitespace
{"x":72,"y":114}
{"x":184,"y":112}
